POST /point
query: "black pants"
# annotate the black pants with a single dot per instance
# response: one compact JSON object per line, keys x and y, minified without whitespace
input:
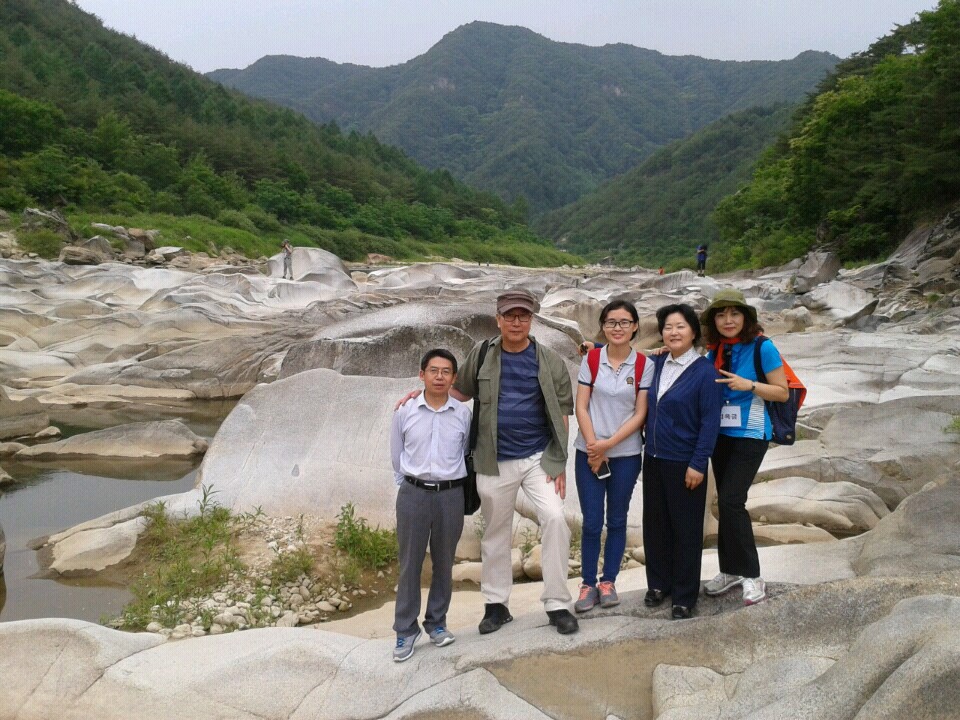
{"x":735,"y":464}
{"x":672,"y":530}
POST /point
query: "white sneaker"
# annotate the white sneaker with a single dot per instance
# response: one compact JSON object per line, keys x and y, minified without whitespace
{"x":754,"y":591}
{"x":721,"y":583}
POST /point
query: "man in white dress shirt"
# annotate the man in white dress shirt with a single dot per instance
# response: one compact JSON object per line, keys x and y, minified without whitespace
{"x":428,"y":442}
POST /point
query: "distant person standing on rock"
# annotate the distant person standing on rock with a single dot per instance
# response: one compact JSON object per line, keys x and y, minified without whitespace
{"x":287,"y":259}
{"x":701,"y":260}
{"x":732,"y":333}
{"x":428,"y":442}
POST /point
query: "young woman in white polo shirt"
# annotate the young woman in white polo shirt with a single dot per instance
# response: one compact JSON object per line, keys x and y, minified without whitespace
{"x":611,"y":408}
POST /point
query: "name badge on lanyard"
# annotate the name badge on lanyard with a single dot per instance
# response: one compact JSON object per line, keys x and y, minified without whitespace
{"x":730,"y":416}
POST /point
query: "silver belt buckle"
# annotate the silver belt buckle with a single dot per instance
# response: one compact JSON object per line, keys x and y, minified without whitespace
{"x":432,"y":486}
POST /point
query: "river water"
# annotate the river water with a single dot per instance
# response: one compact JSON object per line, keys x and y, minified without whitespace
{"x":48,"y":498}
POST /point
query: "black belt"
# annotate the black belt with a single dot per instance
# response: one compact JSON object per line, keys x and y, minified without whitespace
{"x":436,"y":486}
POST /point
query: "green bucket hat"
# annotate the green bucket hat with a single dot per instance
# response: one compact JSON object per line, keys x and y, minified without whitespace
{"x":728,"y":297}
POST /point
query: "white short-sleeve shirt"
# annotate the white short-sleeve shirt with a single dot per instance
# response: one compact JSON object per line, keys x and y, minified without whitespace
{"x":613,"y":400}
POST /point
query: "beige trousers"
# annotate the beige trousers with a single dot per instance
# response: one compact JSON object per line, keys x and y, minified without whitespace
{"x":498,"y":497}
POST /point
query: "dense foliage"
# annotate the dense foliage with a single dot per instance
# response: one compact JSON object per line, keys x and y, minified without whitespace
{"x":869,"y":157}
{"x":95,"y":122}
{"x":510,"y":111}
{"x":659,"y":212}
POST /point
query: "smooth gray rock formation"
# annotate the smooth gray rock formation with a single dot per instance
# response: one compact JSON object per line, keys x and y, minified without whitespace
{"x":842,"y":302}
{"x":89,"y":551}
{"x":162,"y":439}
{"x":817,"y":268}
{"x":22,"y":418}
{"x":922,"y":535}
{"x":892,"y":448}
{"x":838,"y":507}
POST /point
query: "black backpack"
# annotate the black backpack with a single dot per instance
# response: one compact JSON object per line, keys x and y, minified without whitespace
{"x":783,"y":415}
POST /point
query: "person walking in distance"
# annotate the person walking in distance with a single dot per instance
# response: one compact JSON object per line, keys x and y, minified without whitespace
{"x":701,"y":260}
{"x":428,"y":441}
{"x":287,"y":258}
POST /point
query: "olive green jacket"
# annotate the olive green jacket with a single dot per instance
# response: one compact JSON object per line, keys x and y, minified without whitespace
{"x":485,"y":388}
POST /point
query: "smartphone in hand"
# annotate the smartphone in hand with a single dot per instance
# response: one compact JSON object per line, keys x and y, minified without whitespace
{"x":603,"y":472}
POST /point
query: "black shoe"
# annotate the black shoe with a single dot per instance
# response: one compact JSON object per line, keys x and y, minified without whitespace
{"x":653,"y":598}
{"x":681,"y":612}
{"x":494,"y":617}
{"x":564,"y":620}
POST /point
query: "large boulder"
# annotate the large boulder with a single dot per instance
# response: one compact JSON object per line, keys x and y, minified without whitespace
{"x":819,"y":267}
{"x":838,"y":507}
{"x":312,"y":261}
{"x":89,"y":551}
{"x":75,"y":255}
{"x":22,"y":418}
{"x":922,"y":535}
{"x":839,"y":301}
{"x":163,"y":439}
{"x":892,"y":448}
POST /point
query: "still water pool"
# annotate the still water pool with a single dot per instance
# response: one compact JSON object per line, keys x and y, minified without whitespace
{"x":49,"y":498}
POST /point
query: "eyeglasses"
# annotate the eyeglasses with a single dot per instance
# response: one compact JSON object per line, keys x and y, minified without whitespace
{"x":442,"y":372}
{"x":611,"y":324}
{"x":522,"y":318}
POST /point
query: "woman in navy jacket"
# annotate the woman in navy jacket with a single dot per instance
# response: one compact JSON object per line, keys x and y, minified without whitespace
{"x":683,"y":420}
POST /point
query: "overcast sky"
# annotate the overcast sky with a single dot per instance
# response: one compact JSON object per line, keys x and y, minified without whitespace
{"x":211,"y":34}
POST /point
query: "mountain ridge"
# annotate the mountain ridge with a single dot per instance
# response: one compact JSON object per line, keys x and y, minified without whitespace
{"x":511,"y":111}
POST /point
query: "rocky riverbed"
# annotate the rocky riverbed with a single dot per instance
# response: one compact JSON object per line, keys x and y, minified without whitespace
{"x":862,"y":514}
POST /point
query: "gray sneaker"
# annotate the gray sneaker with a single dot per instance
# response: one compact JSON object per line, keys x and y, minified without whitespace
{"x":721,"y":583}
{"x":608,"y":594}
{"x":404,"y":648}
{"x":589,"y":597}
{"x":441,"y":637}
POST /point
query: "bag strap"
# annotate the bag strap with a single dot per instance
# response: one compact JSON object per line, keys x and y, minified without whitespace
{"x":475,"y":425}
{"x":593,"y":362}
{"x":757,"y":365}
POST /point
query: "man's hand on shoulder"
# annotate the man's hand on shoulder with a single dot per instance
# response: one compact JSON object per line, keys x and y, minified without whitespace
{"x":409,"y":396}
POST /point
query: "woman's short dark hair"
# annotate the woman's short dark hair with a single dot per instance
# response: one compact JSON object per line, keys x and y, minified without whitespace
{"x":689,"y":314}
{"x":749,"y":331}
{"x":440,"y":353}
{"x":621,"y":304}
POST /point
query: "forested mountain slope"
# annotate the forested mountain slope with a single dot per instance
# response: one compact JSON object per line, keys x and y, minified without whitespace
{"x":508,"y":110}
{"x":871,"y":156}
{"x":94,"y":121}
{"x":657,"y":213}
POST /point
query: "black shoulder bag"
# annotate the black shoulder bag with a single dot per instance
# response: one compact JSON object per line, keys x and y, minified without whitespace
{"x":471,"y":498}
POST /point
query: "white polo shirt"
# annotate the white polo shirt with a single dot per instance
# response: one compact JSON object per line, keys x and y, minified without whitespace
{"x":613,"y":400}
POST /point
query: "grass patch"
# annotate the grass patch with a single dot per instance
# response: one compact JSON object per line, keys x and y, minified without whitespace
{"x":190,"y":557}
{"x":45,"y":243}
{"x":371,"y":548}
{"x":953,"y":426}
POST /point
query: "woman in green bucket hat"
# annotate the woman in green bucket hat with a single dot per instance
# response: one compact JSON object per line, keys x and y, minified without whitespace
{"x":732,"y":331}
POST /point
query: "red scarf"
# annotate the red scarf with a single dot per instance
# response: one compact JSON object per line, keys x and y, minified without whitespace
{"x":718,"y":348}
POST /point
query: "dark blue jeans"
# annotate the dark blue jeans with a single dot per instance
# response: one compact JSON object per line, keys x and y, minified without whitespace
{"x":617,"y":491}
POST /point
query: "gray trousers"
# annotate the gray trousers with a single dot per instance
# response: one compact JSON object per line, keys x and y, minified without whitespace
{"x":288,"y":266}
{"x":426,"y":517}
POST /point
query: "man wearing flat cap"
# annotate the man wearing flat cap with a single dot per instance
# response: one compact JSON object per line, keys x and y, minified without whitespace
{"x":525,"y":399}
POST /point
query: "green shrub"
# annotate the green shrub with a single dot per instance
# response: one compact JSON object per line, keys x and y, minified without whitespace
{"x":371,"y":547}
{"x":45,"y":243}
{"x":236,"y":219}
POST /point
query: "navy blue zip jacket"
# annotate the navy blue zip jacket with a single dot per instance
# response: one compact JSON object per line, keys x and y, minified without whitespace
{"x":683,"y":425}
